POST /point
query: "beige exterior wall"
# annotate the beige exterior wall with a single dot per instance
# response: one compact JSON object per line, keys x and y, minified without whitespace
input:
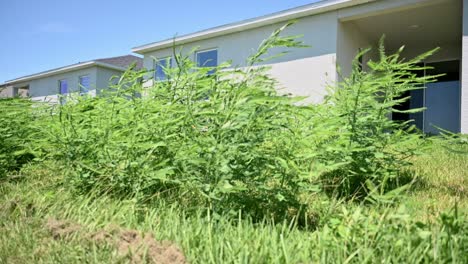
{"x":6,"y":91}
{"x":350,"y":40}
{"x":47,"y":88}
{"x":104,"y":76}
{"x":304,"y":72}
{"x":333,"y":38}
{"x":10,"y":91}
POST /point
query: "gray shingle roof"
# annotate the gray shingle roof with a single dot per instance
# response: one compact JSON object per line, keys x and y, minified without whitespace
{"x":123,"y":61}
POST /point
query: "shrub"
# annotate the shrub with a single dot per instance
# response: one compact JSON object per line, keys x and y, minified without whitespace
{"x":223,"y":137}
{"x":217,"y":137}
{"x":370,"y":149}
{"x":15,"y":131}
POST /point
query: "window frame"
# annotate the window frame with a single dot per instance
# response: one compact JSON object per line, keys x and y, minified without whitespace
{"x":157,"y":63}
{"x":62,"y":96}
{"x":60,"y":86}
{"x":204,"y":51}
{"x":81,"y":85}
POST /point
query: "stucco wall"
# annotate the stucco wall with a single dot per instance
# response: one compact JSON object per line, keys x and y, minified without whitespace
{"x":464,"y":75}
{"x":304,"y":71}
{"x":333,"y":39}
{"x":46,"y":89}
{"x":350,"y":40}
{"x":447,"y":51}
{"x":104,"y":76}
{"x":6,"y":91}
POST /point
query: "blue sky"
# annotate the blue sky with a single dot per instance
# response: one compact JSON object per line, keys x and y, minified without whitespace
{"x":37,"y":35}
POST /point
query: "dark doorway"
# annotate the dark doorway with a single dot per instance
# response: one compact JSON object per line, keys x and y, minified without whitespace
{"x":442,"y":100}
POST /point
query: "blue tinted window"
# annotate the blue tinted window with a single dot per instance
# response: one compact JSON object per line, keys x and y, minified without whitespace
{"x":207,"y":58}
{"x":84,"y":84}
{"x":161,"y":64}
{"x":63,"y":84}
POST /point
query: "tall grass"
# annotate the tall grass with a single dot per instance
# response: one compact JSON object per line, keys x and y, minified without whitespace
{"x":16,"y":118}
{"x":354,"y":234}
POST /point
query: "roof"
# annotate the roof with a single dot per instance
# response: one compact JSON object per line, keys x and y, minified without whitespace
{"x":289,"y":14}
{"x":119,"y":63}
{"x":123,"y":61}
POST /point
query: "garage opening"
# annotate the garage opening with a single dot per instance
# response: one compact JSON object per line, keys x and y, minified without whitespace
{"x":419,"y":28}
{"x":441,"y":100}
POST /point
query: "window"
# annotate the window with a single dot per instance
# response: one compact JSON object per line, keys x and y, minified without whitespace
{"x":63,"y":87}
{"x":160,"y":65}
{"x":207,"y":58}
{"x":85,"y":83}
{"x":63,"y":90}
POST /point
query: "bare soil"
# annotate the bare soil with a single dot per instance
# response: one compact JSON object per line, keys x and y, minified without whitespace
{"x":60,"y":229}
{"x":136,"y":246}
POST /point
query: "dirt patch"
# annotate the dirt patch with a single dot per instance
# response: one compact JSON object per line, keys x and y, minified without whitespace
{"x":102,"y":237}
{"x":137,"y":247}
{"x":457,"y":190}
{"x":61,"y":229}
{"x":141,"y":247}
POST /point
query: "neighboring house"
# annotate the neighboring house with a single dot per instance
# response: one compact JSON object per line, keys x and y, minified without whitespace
{"x":6,"y":91}
{"x":10,"y":91}
{"x":85,"y":77}
{"x":336,"y":30}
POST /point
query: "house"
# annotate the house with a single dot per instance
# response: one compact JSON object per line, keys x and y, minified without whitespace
{"x":336,"y":30}
{"x":9,"y":91}
{"x":84,"y":77}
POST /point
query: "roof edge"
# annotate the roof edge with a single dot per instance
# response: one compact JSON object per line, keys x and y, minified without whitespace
{"x":110,"y":66}
{"x":289,"y":14}
{"x":62,"y":70}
